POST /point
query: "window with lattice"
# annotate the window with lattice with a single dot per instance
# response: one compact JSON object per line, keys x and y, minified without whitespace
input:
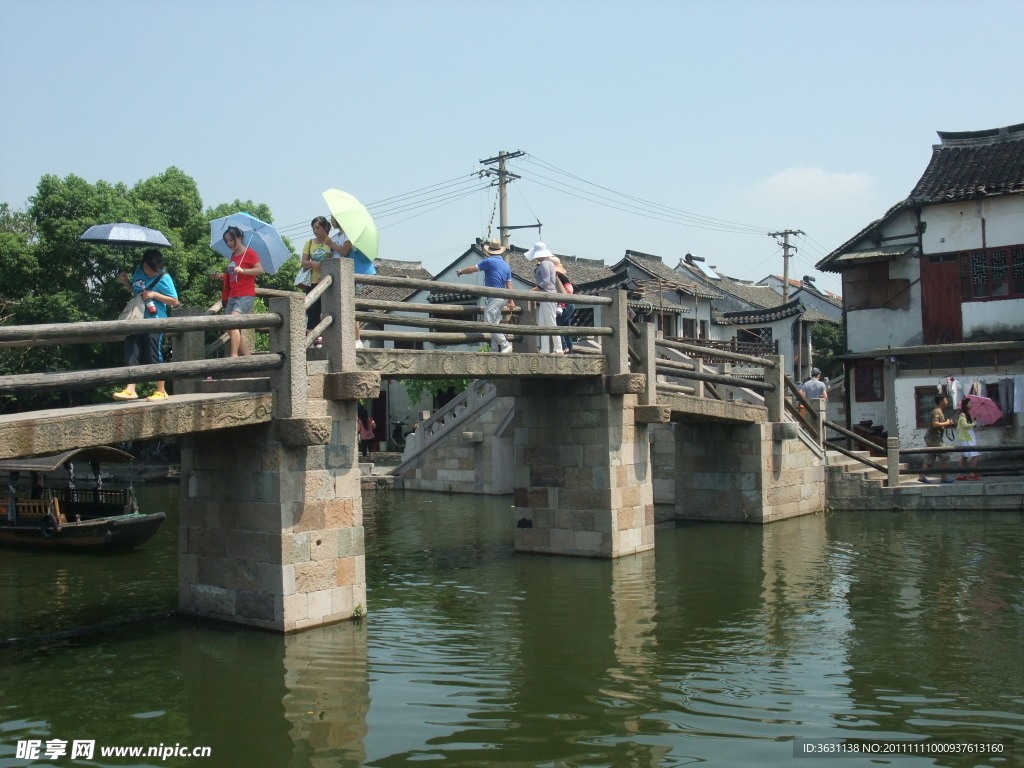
{"x":993,"y":273}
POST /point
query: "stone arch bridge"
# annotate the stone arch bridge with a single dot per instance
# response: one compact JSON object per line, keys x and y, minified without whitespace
{"x":271,"y":517}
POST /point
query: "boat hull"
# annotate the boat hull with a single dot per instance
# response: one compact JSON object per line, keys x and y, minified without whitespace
{"x":105,"y":533}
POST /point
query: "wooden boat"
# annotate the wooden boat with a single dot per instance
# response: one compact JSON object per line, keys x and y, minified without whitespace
{"x":71,"y":518}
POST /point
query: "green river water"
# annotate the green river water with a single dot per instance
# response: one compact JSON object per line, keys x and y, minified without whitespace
{"x":721,"y":647}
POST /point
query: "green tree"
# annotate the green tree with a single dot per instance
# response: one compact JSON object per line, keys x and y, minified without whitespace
{"x":49,"y":275}
{"x":827,"y":343}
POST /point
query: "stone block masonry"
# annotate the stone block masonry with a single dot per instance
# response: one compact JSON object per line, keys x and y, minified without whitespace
{"x":744,"y":474}
{"x":271,"y":529}
{"x":582,"y":477}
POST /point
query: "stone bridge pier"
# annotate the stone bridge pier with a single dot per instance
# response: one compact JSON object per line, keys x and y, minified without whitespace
{"x":583,"y":472}
{"x":271,"y":531}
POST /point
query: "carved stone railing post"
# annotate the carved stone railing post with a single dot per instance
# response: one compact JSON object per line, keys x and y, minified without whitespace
{"x":340,"y":303}
{"x":616,"y":346}
{"x":648,"y":356}
{"x":775,"y":400}
{"x":698,"y":367}
{"x":892,"y":453}
{"x":819,"y":416}
{"x":290,"y":382}
{"x":187,"y":346}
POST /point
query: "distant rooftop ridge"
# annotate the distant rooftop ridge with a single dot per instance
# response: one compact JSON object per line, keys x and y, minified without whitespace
{"x":987,"y":136}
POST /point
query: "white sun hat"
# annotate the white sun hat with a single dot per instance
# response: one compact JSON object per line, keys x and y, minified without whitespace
{"x":539,"y":251}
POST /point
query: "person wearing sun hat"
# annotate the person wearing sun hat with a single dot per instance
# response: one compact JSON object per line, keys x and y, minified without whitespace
{"x":497,"y":274}
{"x":546,"y":277}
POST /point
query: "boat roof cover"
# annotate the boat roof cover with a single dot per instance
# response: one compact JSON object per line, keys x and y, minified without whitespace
{"x":50,"y":463}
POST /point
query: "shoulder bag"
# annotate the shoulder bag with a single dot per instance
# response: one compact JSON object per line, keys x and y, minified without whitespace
{"x":136,"y":308}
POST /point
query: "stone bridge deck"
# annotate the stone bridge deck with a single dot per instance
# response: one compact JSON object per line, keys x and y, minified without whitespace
{"x":37,"y":433}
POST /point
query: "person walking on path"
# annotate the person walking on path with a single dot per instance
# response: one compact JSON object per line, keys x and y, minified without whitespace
{"x":239,"y":293}
{"x":814,"y":387}
{"x":314,"y":251}
{"x":343,"y":247}
{"x":366,"y":427}
{"x":564,"y":313}
{"x":497,"y":274}
{"x":157,"y":289}
{"x":937,"y":423}
{"x":546,"y":278}
{"x":965,"y":439}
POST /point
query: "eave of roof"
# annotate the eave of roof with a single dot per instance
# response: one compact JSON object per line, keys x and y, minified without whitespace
{"x":972,"y":164}
{"x":767,"y":315}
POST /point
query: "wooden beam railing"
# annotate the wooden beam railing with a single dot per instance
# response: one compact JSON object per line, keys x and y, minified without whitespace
{"x":40,"y":382}
{"x":83,"y":333}
{"x":318,"y":290}
{"x":716,"y":378}
{"x":802,"y":419}
{"x":852,"y":435}
{"x":697,"y":350}
{"x":441,"y":309}
{"x":479,"y":290}
{"x":467,"y":326}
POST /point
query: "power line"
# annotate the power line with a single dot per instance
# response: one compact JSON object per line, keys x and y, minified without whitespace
{"x":635,"y":213}
{"x":676,"y":218}
{"x":442,"y":205}
{"x":666,"y":209}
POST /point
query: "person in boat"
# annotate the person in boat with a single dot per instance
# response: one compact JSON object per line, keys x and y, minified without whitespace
{"x":155,"y":286}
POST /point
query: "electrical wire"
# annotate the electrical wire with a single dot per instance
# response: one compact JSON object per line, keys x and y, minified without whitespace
{"x":442,"y":205}
{"x":706,"y":221}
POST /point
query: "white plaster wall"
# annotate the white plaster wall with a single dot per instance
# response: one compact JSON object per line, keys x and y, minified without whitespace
{"x":869,"y":329}
{"x":906,"y":415}
{"x":957,"y":226}
{"x":864,"y":411}
{"x":1004,"y":319}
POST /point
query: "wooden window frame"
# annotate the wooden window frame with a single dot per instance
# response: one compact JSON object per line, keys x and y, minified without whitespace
{"x":980,"y":272}
{"x":863,"y":388}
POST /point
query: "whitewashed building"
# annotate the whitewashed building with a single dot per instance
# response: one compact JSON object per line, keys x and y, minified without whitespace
{"x":933,"y":291}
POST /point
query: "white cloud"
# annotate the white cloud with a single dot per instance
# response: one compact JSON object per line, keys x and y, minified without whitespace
{"x":812,"y":186}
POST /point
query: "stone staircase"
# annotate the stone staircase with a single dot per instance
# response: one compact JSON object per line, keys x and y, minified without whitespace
{"x":851,"y":477}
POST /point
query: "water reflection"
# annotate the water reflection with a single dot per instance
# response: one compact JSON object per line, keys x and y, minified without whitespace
{"x":328,"y":698}
{"x":720,"y":647}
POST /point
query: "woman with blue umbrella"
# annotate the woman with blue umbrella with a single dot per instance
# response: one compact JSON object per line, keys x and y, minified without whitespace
{"x":239,"y":291}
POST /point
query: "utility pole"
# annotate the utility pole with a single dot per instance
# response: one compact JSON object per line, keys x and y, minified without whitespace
{"x":503,"y":177}
{"x":785,"y":258}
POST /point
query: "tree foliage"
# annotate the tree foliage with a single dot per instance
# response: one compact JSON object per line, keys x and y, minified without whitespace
{"x":826,"y":343}
{"x":49,"y":275}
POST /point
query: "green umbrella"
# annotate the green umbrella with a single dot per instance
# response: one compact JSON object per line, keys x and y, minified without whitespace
{"x":355,"y":220}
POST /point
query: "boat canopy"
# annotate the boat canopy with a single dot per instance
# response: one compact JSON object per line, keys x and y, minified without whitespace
{"x":50,"y":463}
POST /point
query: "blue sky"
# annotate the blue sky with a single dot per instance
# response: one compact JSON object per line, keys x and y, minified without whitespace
{"x":806,"y":115}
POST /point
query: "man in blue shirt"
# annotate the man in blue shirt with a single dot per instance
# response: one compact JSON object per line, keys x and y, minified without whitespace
{"x":496,"y":275}
{"x":157,"y":289}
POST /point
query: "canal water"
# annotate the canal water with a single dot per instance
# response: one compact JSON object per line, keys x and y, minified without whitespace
{"x":722,"y":647}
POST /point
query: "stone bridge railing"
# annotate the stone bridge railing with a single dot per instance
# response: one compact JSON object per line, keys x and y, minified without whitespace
{"x":284,"y":363}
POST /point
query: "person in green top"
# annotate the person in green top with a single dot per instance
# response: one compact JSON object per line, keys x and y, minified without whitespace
{"x":965,"y":439}
{"x":933,"y":439}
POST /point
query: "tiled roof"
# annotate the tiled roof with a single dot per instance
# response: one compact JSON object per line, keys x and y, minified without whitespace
{"x":973,"y":164}
{"x":766,"y":315}
{"x":654,"y":266}
{"x":760,"y":296}
{"x":814,"y":316}
{"x":965,"y":166}
{"x":830,"y":262}
{"x":579,"y":270}
{"x":393,"y":268}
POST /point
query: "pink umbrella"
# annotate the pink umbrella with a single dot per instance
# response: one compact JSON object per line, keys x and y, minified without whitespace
{"x":984,"y":409}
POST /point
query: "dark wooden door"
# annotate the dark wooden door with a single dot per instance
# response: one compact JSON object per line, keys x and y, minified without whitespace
{"x":940,"y":299}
